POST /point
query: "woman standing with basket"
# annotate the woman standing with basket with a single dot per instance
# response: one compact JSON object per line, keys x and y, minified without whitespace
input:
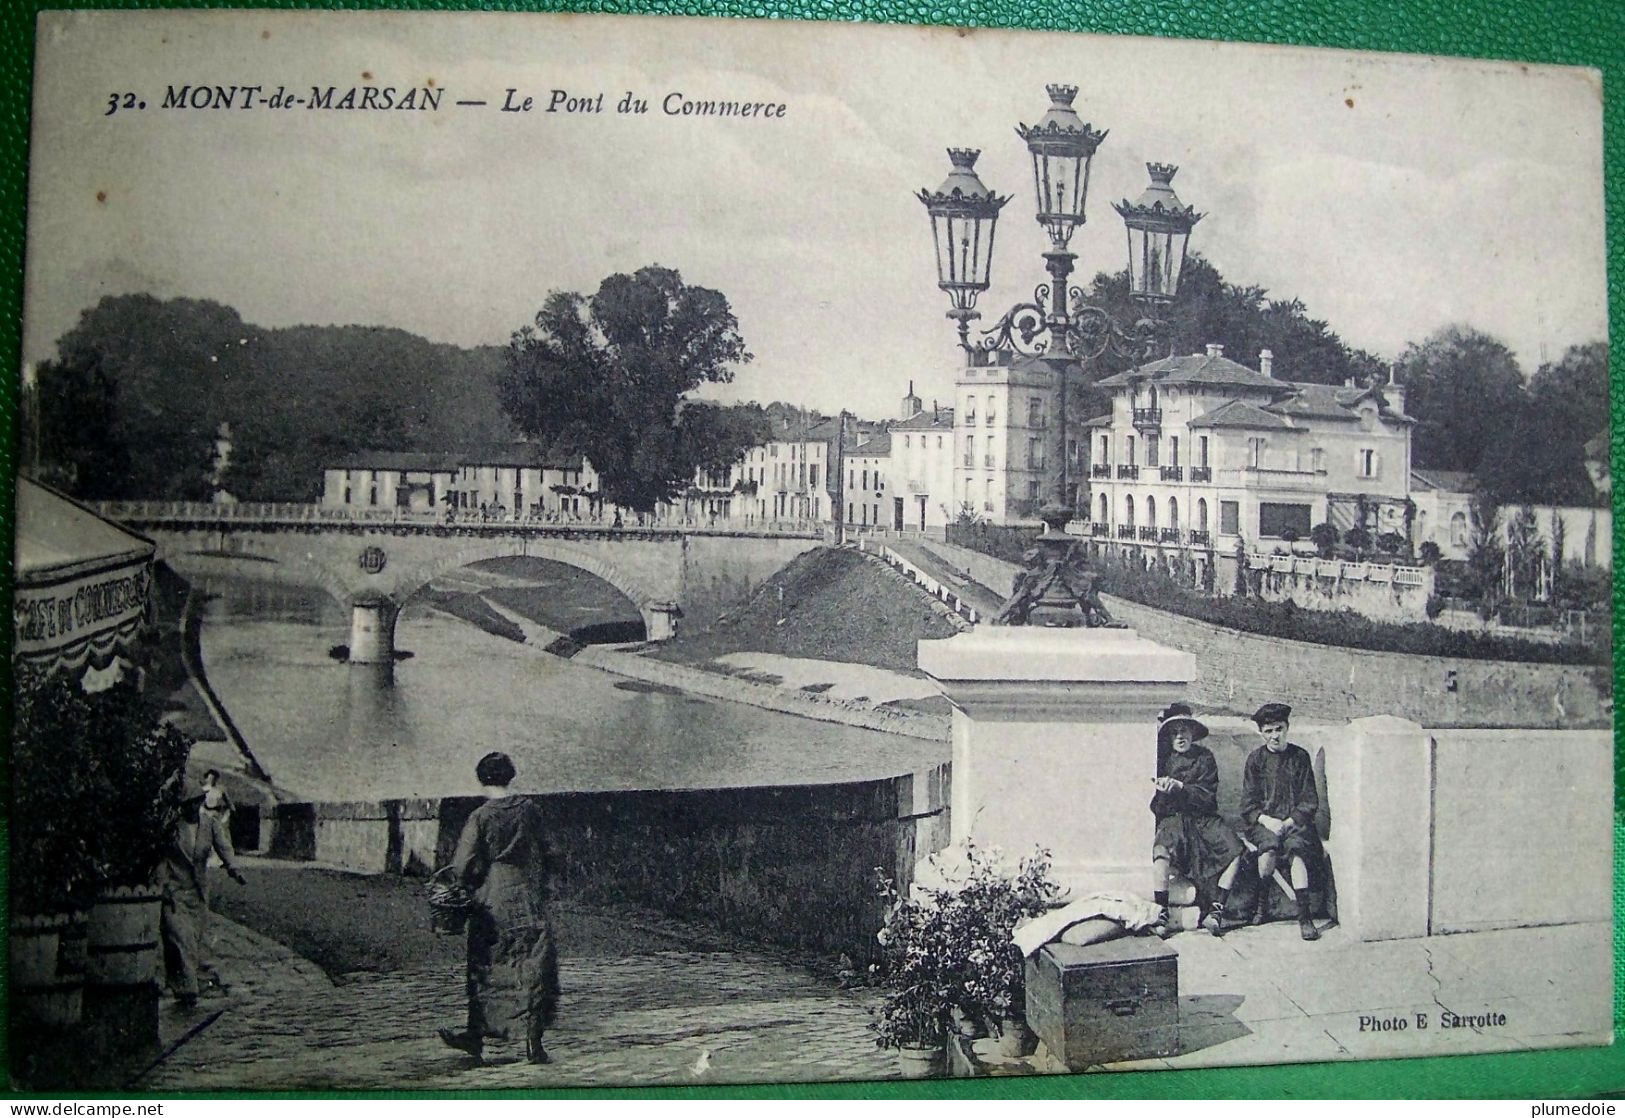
{"x":500,"y":876}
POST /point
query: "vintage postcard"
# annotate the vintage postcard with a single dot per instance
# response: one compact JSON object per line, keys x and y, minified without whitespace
{"x":570,"y":550}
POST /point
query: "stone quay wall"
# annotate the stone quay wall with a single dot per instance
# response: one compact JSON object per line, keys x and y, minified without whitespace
{"x":1238,"y":671}
{"x":792,"y":866}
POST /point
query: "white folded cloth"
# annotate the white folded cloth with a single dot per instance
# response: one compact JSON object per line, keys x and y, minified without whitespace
{"x":1133,"y":913}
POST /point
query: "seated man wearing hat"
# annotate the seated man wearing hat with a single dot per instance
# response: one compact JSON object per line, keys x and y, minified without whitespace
{"x":1190,"y":837}
{"x":1278,"y":806}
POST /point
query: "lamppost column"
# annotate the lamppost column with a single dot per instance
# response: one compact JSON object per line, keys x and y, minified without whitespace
{"x":1059,"y":265}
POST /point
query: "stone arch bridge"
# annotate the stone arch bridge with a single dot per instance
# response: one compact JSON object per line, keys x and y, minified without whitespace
{"x":373,"y":561}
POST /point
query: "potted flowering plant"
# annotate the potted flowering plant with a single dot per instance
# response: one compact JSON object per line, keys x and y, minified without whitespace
{"x":948,"y":959}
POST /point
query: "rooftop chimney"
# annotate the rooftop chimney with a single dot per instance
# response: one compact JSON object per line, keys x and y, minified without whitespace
{"x":1214,"y":349}
{"x":1266,"y":362}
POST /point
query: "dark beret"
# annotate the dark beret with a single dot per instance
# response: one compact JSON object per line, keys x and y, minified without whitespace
{"x":1272,"y":712}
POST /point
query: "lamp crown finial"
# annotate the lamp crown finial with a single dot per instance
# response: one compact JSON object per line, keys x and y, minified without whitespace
{"x":964,"y":157}
{"x":1162,"y":172}
{"x":1061,"y":94}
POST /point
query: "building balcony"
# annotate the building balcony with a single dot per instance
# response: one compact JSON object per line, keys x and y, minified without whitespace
{"x":988,"y":461}
{"x":1097,"y":470}
{"x":1168,"y":535}
{"x":992,"y":420}
{"x":1132,"y":473}
{"x":1201,"y":539}
{"x":1098,"y":529}
{"x":1148,"y":533}
{"x":1125,"y":531}
{"x":1201,"y":473}
{"x":970,"y":461}
{"x":1266,"y":478}
{"x":1173,"y":473}
{"x":1148,"y":417}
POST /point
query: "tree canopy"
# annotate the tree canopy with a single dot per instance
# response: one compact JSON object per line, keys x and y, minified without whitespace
{"x":132,"y":406}
{"x":610,"y":373}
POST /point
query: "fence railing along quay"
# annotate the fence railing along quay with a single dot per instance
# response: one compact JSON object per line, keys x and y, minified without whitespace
{"x":292,"y":514}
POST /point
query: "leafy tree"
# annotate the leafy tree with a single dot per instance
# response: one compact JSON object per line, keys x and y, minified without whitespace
{"x":1465,"y":390}
{"x":1541,"y":457}
{"x":1324,"y":537}
{"x":1525,"y":554}
{"x":1358,"y":538}
{"x":1485,"y":554}
{"x":607,"y":373}
{"x":1430,"y":553}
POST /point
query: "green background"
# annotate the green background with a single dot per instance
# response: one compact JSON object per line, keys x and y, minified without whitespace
{"x":1572,"y":32}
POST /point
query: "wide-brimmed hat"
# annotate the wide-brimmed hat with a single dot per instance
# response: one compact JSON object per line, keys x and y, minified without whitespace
{"x":1176,"y":715}
{"x":1272,"y":712}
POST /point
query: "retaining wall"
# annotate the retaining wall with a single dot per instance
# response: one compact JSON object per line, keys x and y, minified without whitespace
{"x":789,"y":865}
{"x":1239,"y":671}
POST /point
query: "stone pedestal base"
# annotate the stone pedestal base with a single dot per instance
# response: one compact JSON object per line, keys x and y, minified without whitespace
{"x":1054,"y":744}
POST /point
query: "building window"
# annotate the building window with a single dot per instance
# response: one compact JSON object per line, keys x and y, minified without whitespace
{"x":987,"y":501}
{"x":1317,"y":460}
{"x":1255,"y":452}
{"x":1278,"y":520}
{"x":991,"y":408}
{"x":970,"y":450}
{"x":774,"y":450}
{"x":1458,"y":529}
{"x":372,"y":494}
{"x":1201,"y":514}
{"x":905,"y":442}
{"x":1105,"y":449}
{"x":1150,"y":512}
{"x":1105,"y":509}
{"x":1035,"y":411}
{"x":1032,"y":491}
{"x":812,"y":476}
{"x":1173,"y":450}
{"x":1230,"y":517}
{"x":939,"y":442}
{"x":1368,"y":463}
{"x":970,"y":409}
{"x":1153,"y":446}
{"x":865,"y":479}
{"x":1173,"y":512}
{"x":1201,"y":447}
{"x":1130,"y":440}
{"x":1035,"y":454}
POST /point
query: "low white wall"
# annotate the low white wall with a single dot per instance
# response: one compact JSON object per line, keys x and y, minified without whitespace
{"x":1523,"y":826}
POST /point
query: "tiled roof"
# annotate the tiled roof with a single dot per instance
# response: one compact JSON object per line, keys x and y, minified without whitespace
{"x":875,"y":445}
{"x":1450,"y":481}
{"x":931,"y":419}
{"x":402,"y":460}
{"x":1239,"y":413}
{"x":1195,"y":368}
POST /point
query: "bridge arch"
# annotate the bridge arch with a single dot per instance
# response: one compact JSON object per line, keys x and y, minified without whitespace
{"x":420,"y":575}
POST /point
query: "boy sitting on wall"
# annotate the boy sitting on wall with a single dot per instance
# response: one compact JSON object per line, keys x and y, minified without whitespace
{"x":1278,"y":806}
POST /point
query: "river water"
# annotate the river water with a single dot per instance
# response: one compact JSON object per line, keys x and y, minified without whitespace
{"x":326,"y":730}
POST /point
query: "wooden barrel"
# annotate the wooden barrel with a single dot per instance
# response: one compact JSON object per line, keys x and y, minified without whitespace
{"x":46,"y":988}
{"x":123,"y":949}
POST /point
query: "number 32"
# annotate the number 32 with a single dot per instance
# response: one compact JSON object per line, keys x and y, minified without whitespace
{"x":117,"y":101}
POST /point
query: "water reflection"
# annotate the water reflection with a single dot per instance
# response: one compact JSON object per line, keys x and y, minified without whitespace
{"x":330,"y":730}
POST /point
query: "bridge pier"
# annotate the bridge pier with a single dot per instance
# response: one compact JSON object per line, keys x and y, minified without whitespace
{"x":660,"y":620}
{"x":372,"y":632}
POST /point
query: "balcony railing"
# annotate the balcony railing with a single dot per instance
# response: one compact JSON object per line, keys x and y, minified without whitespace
{"x":1173,"y":473}
{"x":1148,"y":533}
{"x":1168,"y":535}
{"x":1201,"y":539}
{"x":1098,"y":529}
{"x":987,"y":461}
{"x":1130,"y":472}
{"x":1147,"y":417}
{"x":1125,"y":531}
{"x":1098,"y":470}
{"x":992,"y":419}
{"x":970,"y":460}
{"x":1201,"y":473}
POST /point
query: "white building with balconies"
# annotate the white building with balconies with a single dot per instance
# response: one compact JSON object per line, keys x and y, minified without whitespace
{"x":1199,"y":451}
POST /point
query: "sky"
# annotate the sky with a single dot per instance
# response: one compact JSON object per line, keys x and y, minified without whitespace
{"x":1392,"y":194}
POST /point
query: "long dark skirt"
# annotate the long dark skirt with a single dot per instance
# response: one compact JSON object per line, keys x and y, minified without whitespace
{"x":513,"y":978}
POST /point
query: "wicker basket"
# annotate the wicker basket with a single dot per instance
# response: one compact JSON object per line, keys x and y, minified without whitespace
{"x":449,"y":904}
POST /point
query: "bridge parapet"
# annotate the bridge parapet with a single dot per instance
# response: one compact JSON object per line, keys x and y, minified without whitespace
{"x":206,"y":514}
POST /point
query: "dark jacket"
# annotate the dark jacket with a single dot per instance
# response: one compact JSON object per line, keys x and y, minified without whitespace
{"x":1280,"y":785}
{"x":1200,"y":774}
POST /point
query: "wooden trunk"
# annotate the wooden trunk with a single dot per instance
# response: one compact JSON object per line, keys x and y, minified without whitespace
{"x":1104,"y":1003}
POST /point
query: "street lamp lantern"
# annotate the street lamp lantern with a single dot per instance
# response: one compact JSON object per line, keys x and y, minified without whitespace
{"x":1059,"y":321}
{"x":1062,"y":147}
{"x":1159,"y":229}
{"x":964,"y":213}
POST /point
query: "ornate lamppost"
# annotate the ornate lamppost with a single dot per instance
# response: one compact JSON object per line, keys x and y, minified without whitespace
{"x":964,"y":214}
